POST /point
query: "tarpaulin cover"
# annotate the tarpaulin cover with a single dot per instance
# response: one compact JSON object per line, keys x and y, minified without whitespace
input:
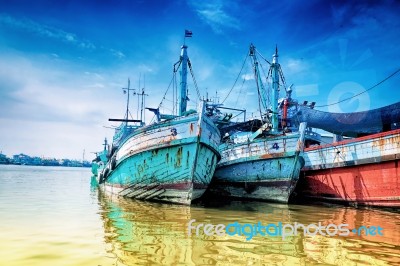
{"x":352,"y":124}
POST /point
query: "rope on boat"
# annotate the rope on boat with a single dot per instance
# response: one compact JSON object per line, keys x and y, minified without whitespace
{"x":262,"y":56}
{"x":165,"y":94}
{"x":240,"y":72}
{"x":173,"y":83}
{"x":194,"y":79}
{"x":239,"y":94}
{"x":358,"y":94}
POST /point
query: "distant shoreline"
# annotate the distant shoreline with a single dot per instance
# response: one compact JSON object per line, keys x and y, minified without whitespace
{"x":71,"y":166}
{"x":23,"y":159}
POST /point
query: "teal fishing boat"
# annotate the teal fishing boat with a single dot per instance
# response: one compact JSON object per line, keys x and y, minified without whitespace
{"x":261,"y":158}
{"x":171,"y":160}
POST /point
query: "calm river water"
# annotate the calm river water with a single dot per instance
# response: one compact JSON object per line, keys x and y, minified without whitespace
{"x":52,"y":216}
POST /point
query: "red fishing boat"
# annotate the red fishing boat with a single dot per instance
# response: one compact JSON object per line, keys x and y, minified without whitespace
{"x":360,"y":171}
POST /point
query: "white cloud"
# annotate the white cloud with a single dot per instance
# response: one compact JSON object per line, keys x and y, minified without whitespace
{"x":248,"y":76}
{"x":96,"y":85}
{"x":117,"y":54}
{"x":215,"y":14}
{"x":50,"y":139}
{"x":56,"y":108}
{"x":44,"y":30}
{"x":94,"y":75}
{"x":70,"y":37}
{"x":46,"y":110}
{"x":295,"y":65}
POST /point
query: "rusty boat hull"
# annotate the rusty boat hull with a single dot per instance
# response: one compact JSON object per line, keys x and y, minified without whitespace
{"x":360,"y":171}
{"x":171,"y":161}
{"x":265,"y":169}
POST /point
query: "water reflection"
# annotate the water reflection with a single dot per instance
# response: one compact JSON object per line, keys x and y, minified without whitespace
{"x":139,"y":232}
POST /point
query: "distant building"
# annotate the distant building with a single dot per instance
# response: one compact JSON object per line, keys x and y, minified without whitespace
{"x":22,"y":159}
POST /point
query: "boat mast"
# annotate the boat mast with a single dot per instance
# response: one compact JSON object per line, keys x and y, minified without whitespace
{"x":142,"y":117}
{"x":184,"y":61}
{"x":275,"y":91}
{"x":257,"y":77}
{"x":184,"y":98}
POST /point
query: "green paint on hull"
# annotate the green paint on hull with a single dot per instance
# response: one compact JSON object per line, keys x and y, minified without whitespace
{"x":176,"y":174}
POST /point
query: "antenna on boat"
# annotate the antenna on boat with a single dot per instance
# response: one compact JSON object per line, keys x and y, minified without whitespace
{"x":105,"y":144}
{"x":143,"y":95}
{"x":216,"y":98}
{"x":138,"y":100}
{"x":126,"y":119}
{"x":126,"y":91}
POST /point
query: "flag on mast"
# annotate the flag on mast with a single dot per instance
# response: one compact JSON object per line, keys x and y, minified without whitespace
{"x":188,"y":33}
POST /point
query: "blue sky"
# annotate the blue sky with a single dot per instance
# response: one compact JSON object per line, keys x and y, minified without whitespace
{"x":63,"y":63}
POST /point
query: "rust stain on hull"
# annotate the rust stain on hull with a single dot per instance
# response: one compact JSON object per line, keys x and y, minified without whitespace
{"x":178,"y":158}
{"x":191,"y":128}
{"x":273,"y":155}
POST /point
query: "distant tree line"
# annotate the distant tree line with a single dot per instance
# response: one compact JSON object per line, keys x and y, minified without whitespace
{"x":23,"y":159}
